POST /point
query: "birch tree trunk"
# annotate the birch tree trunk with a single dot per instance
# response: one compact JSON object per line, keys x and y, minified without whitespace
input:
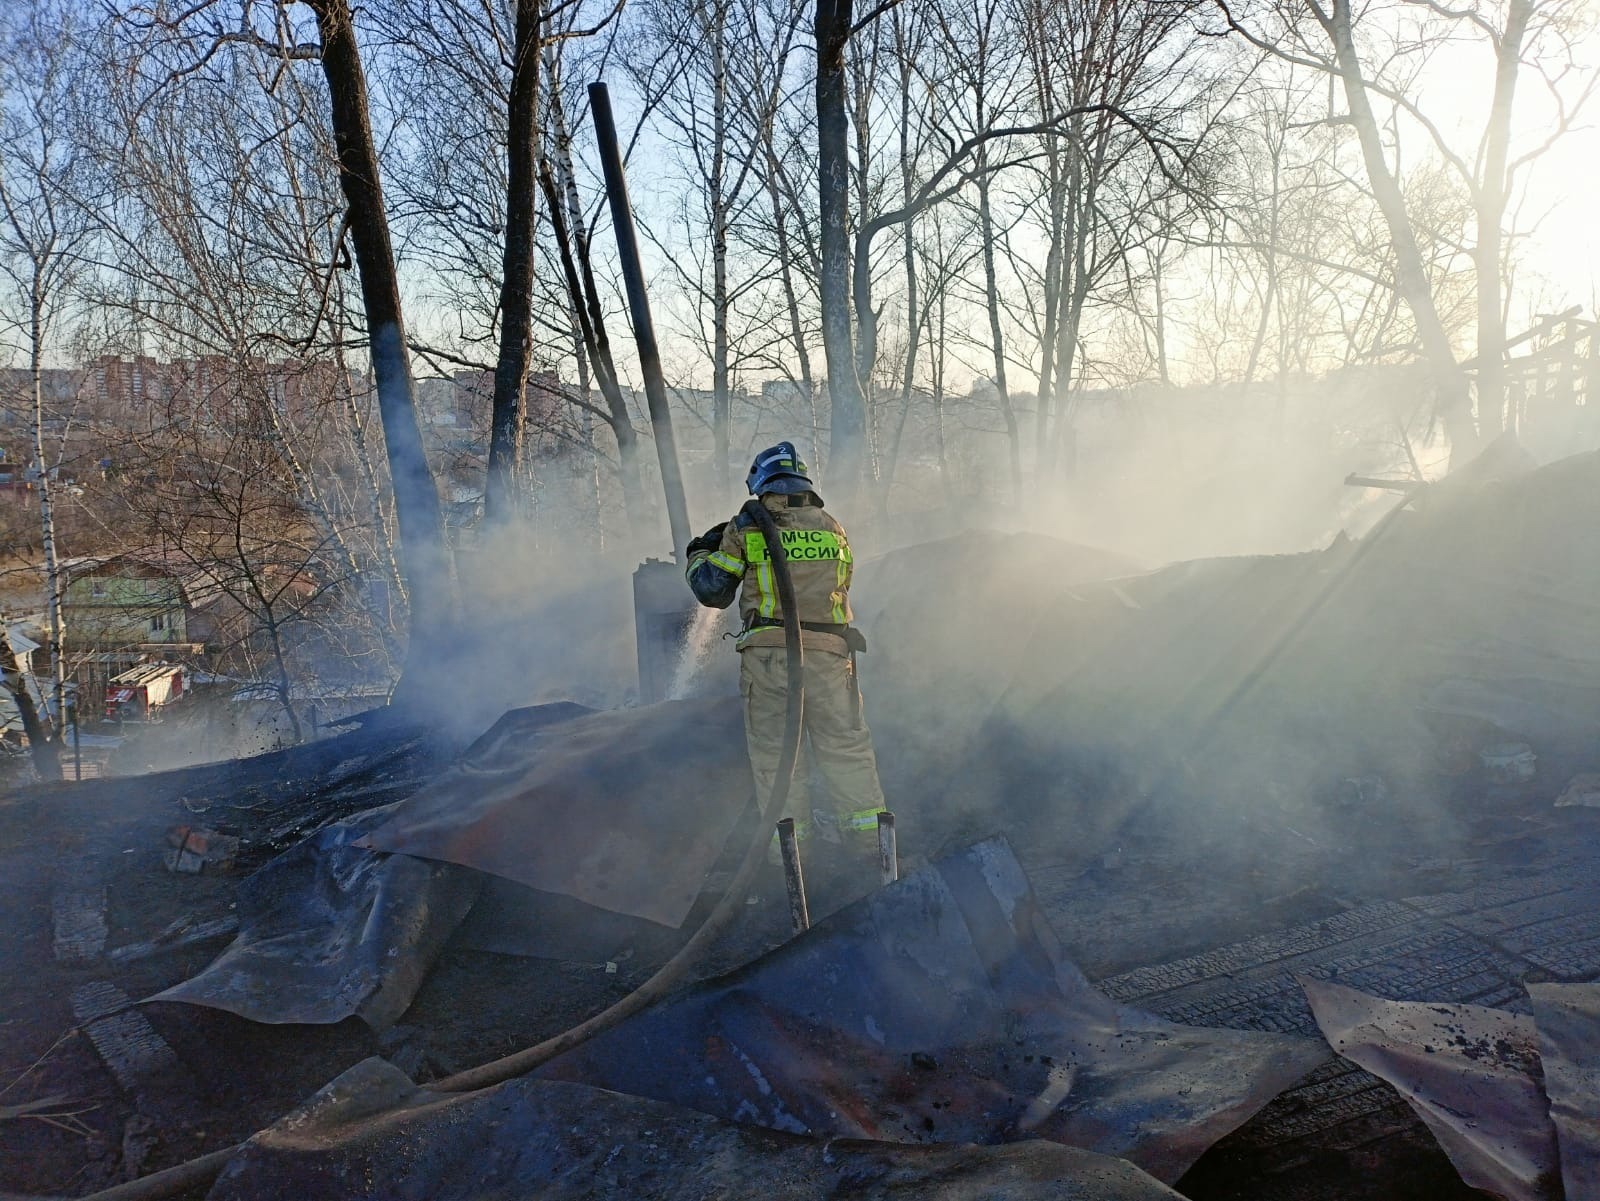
{"x":1052,"y":312}
{"x":572,"y":241}
{"x":1041,"y":63}
{"x":722,"y":406}
{"x":382,"y":534}
{"x":997,"y":344}
{"x":938,"y":364}
{"x":47,"y":522}
{"x":791,"y":300}
{"x":909,"y":246}
{"x":1071,"y":291}
{"x":866,"y":316}
{"x":1159,"y":289}
{"x":1270,"y":292}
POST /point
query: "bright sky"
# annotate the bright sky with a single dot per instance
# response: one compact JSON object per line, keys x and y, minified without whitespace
{"x":1554,"y":207}
{"x":1565,"y":246}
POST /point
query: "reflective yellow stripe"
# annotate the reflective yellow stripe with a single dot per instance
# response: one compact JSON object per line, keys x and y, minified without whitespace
{"x":861,"y":819}
{"x":769,"y":598}
{"x":727,"y":562}
{"x":802,"y":830}
{"x":843,"y":569}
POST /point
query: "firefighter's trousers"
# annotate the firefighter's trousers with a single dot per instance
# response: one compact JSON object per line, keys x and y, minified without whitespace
{"x":841,"y":745}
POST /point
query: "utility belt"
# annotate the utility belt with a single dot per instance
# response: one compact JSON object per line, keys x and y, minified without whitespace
{"x":853,"y":638}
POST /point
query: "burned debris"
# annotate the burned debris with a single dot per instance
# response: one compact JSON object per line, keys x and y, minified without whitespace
{"x":399,"y":909}
{"x":1180,"y":779}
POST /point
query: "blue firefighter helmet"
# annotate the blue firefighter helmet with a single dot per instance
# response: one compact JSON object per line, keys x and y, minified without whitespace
{"x":778,"y":469}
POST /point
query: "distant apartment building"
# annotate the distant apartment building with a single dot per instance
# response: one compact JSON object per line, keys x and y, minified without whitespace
{"x":144,"y":392}
{"x":464,"y":401}
{"x":58,"y":389}
{"x":787,"y":394}
{"x":113,"y":384}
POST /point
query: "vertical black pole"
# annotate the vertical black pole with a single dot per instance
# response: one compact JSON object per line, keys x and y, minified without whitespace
{"x":793,"y":876}
{"x":888,"y":856}
{"x":644,"y":330}
{"x":77,"y":745}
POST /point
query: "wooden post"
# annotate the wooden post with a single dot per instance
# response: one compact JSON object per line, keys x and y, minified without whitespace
{"x":789,"y":847}
{"x":644,"y":330}
{"x":888,"y":854}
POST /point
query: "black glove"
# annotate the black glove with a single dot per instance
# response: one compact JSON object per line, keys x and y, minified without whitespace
{"x":708,"y":541}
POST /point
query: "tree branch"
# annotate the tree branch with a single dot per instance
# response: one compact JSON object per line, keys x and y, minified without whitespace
{"x":877,"y":11}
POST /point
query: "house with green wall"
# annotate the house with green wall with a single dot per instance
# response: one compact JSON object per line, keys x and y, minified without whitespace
{"x":124,"y":602}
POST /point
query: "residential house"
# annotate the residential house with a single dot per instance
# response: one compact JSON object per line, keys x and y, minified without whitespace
{"x":120,"y":611}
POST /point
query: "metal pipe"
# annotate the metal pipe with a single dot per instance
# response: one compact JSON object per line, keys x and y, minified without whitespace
{"x":888,"y":855}
{"x":644,"y":330}
{"x":789,"y":847}
{"x":176,"y":1181}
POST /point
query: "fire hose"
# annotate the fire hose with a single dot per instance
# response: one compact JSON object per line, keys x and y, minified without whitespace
{"x":668,"y":974}
{"x":198,"y":1173}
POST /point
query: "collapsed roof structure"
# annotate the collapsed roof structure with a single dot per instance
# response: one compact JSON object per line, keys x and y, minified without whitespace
{"x":1214,"y":786}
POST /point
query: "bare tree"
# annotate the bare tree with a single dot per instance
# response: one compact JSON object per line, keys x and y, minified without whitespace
{"x":1524,"y":34}
{"x":571,"y":234}
{"x":516,"y":287}
{"x":224,"y":248}
{"x":832,"y":29}
{"x":428,"y":566}
{"x":978,"y":43}
{"x":695,"y":82}
{"x":788,"y":233}
{"x":219,"y":499}
{"x":44,"y":229}
{"x":1103,"y":76}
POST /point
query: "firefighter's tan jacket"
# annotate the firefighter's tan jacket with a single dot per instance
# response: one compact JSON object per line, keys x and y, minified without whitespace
{"x":820,"y":566}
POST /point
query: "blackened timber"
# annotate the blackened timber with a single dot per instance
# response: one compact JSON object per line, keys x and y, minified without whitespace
{"x":416,"y":501}
{"x":516,"y":286}
{"x":644,"y":330}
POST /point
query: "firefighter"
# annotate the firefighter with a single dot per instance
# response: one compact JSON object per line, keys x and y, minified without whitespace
{"x":731,"y":559}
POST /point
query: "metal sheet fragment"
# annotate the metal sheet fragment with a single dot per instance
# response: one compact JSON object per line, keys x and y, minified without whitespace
{"x":328,"y":930}
{"x":940,"y":1010}
{"x":371,"y":1134}
{"x":626,"y":810}
{"x":1471,"y":1073}
{"x":1568,"y":1017}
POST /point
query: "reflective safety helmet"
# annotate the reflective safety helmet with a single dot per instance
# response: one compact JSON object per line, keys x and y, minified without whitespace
{"x":778,"y":469}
